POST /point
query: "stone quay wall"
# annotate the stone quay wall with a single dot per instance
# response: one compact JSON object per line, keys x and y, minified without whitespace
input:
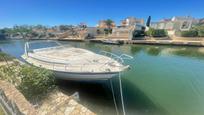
{"x":13,"y":102}
{"x":56,"y":103}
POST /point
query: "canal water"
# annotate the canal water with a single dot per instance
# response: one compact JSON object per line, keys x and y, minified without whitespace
{"x":1,"y":110}
{"x":163,"y":80}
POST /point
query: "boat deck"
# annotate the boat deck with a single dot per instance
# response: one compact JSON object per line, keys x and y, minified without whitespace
{"x":73,"y":60}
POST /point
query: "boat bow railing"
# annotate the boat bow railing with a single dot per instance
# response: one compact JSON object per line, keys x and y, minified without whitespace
{"x":119,"y":58}
{"x":126,"y":57}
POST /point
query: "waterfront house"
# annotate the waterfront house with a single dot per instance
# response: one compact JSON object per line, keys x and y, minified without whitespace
{"x":185,"y":22}
{"x":127,"y":27}
{"x":177,"y":23}
{"x":131,"y":21}
{"x":201,"y":22}
{"x":124,"y":31}
{"x":121,"y":32}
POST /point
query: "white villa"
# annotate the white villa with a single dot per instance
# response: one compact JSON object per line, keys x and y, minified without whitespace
{"x":176,"y":23}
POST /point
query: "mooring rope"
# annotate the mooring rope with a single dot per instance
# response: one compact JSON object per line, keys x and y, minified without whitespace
{"x":113,"y":94}
{"x":121,"y":95}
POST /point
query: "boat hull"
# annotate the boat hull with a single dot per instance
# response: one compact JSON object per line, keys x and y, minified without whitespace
{"x":65,"y":75}
{"x":84,"y":76}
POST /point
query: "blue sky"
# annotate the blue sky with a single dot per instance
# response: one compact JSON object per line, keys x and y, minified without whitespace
{"x":55,"y":12}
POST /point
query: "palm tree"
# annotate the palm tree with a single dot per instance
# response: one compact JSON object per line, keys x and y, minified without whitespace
{"x":109,"y":24}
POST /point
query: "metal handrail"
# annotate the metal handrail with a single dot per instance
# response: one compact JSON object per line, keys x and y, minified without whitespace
{"x":27,"y":45}
{"x":39,"y":41}
{"x":125,"y":56}
{"x":122,"y":57}
{"x":116,"y":57}
{"x":49,"y":48}
{"x":112,"y":55}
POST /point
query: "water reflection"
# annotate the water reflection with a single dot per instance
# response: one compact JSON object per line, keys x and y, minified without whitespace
{"x":135,"y":49}
{"x":189,"y":52}
{"x":153,"y":51}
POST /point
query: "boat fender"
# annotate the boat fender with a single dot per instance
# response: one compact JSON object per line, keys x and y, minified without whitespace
{"x":75,"y":96}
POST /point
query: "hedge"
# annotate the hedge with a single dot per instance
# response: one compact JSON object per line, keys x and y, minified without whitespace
{"x":201,"y":33}
{"x":190,"y":33}
{"x":35,"y":81}
{"x":196,"y":31}
{"x":156,"y":32}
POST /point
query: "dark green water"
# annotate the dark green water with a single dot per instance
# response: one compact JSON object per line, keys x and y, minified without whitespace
{"x":1,"y":111}
{"x":163,"y":80}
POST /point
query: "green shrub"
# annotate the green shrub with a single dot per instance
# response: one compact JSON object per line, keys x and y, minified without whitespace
{"x":199,"y":29}
{"x":149,"y":32}
{"x":5,"y":57}
{"x":156,"y":32}
{"x":190,"y":33}
{"x":159,"y":33}
{"x":10,"y":73}
{"x":35,"y":81}
{"x":32,"y":81}
{"x":201,"y":33}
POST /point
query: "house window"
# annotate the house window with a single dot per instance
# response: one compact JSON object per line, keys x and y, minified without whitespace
{"x":185,"y":25}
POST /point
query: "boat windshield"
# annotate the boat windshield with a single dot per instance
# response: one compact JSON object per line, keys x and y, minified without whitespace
{"x":34,"y":45}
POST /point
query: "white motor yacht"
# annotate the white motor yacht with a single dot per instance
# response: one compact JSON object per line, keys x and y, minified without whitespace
{"x":70,"y":63}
